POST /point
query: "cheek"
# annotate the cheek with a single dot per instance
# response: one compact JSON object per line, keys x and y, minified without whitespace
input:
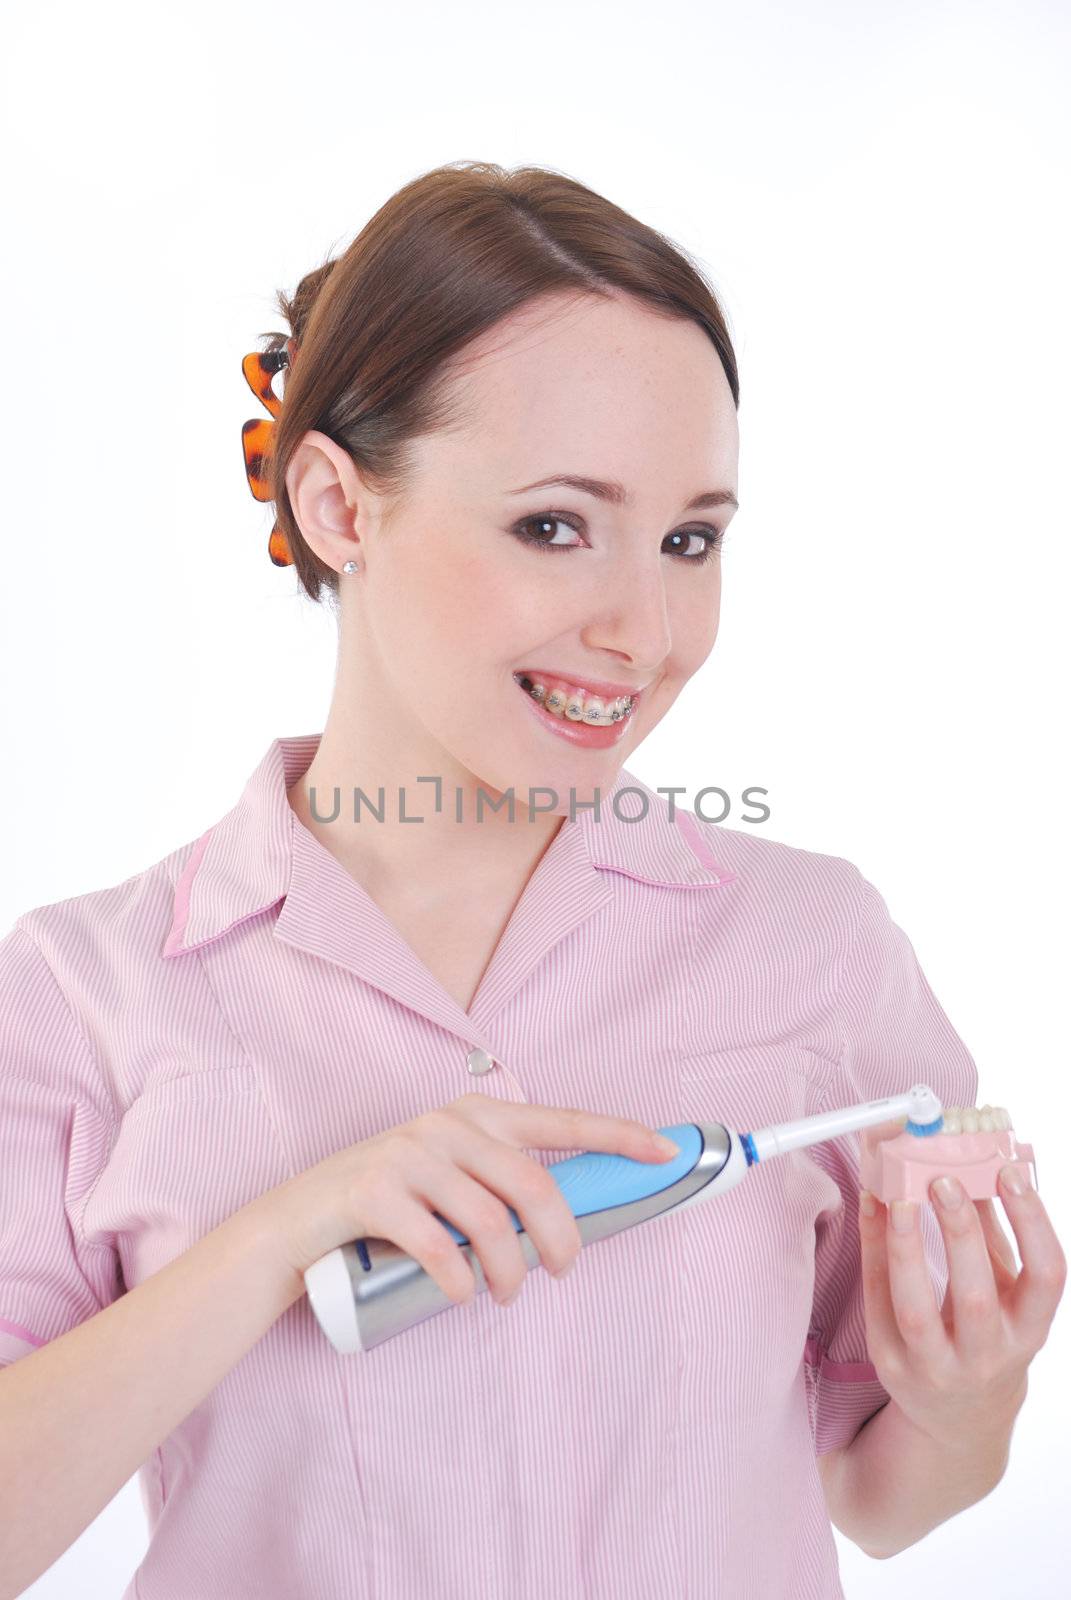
{"x":694,"y":618}
{"x":494,"y":608}
{"x":447,"y":626}
{"x":431,"y":591}
{"x":460,"y":568}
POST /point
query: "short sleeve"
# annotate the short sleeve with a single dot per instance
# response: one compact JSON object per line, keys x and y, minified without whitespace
{"x":893,"y":1034}
{"x":56,"y":1131}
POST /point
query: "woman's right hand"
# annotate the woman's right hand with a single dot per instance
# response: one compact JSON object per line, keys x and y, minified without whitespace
{"x":464,"y":1160}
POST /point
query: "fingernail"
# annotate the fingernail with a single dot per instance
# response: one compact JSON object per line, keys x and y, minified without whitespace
{"x":667,"y":1147}
{"x":509,"y":1299}
{"x":868,"y":1205}
{"x":903,"y":1215}
{"x":1014,"y":1179}
{"x":948,"y":1191}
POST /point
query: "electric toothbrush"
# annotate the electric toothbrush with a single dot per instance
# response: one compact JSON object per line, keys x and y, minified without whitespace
{"x":368,"y":1291}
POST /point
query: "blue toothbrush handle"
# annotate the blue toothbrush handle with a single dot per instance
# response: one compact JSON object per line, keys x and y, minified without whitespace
{"x":367,"y":1291}
{"x":597,"y":1181}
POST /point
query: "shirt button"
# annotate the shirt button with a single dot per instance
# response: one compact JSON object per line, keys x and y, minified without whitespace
{"x":479,"y":1062}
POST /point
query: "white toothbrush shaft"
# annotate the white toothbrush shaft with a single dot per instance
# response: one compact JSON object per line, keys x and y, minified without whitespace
{"x":784,"y":1136}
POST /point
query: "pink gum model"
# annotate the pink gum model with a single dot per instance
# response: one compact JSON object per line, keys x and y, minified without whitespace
{"x":903,"y":1168}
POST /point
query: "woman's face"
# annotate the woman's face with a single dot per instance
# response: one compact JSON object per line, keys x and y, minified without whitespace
{"x":477,"y":578}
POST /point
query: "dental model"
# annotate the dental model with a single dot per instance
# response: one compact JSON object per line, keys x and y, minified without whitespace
{"x":967,"y":1143}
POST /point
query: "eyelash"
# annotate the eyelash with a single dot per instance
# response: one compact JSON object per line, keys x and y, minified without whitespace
{"x":714,"y":537}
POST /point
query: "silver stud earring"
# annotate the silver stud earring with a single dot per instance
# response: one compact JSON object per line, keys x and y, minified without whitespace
{"x":350,"y":566}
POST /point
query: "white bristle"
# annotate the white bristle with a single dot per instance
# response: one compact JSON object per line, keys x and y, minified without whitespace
{"x":925,"y":1106}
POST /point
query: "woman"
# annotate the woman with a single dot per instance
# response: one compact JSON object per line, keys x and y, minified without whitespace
{"x":508,"y":452}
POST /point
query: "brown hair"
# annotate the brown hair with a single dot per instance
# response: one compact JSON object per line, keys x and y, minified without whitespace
{"x":441,"y":262}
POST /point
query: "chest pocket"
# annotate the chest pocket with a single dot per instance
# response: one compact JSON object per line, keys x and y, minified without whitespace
{"x":750,"y":1251}
{"x":191,"y":1151}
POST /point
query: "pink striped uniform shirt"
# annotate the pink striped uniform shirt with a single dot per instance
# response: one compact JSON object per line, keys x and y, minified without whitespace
{"x":173,"y":1046}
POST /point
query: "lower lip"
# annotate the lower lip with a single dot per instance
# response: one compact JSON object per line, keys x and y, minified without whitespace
{"x":587,"y":734}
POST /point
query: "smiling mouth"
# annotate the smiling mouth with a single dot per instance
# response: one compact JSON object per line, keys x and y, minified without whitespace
{"x":563,"y":699}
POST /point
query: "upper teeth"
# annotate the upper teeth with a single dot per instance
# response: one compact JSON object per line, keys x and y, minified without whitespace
{"x":972,"y":1119}
{"x":566,"y":700}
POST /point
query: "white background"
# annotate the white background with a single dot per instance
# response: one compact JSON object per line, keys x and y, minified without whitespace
{"x":879,"y":194}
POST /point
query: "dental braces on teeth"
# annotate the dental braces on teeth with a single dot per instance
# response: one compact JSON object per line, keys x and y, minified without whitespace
{"x":576,"y":705}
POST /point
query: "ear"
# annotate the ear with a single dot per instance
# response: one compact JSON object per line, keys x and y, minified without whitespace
{"x":326,"y":497}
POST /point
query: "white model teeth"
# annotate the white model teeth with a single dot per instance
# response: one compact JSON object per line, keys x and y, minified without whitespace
{"x":974,"y":1119}
{"x":575,"y":704}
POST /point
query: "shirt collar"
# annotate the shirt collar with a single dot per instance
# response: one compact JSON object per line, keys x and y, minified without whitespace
{"x":245,"y":862}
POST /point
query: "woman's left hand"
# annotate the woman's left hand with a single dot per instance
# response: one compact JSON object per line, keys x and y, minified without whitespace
{"x":959,"y":1373}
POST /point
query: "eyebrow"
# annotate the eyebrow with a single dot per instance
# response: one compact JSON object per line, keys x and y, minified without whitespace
{"x":616,"y":495}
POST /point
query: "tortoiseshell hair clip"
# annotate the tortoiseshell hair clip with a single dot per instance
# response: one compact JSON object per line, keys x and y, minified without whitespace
{"x":260,"y":367}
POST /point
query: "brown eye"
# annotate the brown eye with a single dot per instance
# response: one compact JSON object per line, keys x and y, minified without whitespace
{"x":543,"y":522}
{"x":710,"y":541}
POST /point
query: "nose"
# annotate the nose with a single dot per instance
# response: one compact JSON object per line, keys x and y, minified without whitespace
{"x":632,"y":620}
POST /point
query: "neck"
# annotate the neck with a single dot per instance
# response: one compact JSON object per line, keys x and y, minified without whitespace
{"x":483,"y":854}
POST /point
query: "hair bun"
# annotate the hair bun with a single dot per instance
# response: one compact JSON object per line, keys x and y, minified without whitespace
{"x":297,"y":308}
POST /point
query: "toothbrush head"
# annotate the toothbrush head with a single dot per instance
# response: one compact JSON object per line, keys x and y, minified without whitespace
{"x":969,"y":1142}
{"x":925,"y":1117}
